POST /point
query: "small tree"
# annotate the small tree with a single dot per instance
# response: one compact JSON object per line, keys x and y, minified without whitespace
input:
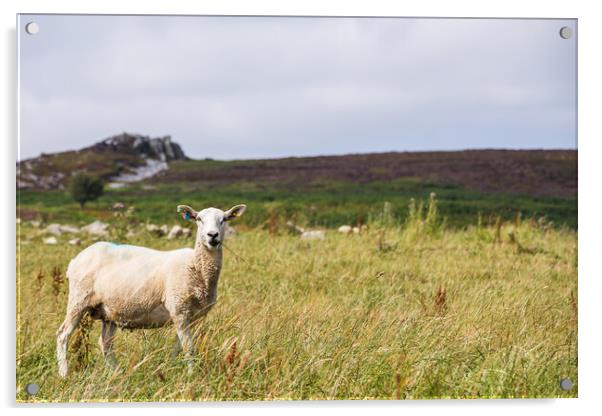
{"x":84,"y":188}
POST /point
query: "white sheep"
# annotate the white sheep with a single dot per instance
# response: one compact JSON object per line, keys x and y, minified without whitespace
{"x":137,"y":287}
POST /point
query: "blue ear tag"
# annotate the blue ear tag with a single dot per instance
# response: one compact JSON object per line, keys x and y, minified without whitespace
{"x":187,"y":216}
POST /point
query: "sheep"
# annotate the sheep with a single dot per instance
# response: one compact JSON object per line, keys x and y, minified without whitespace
{"x":136,"y":287}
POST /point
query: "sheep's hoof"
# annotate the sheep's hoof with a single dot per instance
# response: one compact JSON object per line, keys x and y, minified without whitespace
{"x":112,"y":364}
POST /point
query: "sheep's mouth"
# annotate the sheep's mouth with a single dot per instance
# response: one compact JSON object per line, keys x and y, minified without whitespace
{"x":214,"y":243}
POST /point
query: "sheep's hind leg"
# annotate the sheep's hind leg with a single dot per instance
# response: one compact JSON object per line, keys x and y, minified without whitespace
{"x":177,"y":348}
{"x":107,"y":335}
{"x":73,"y":316}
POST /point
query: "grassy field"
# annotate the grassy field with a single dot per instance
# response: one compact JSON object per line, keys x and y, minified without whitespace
{"x":409,"y":309}
{"x":315,"y":204}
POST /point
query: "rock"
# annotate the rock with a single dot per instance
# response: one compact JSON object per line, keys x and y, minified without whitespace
{"x":186,"y":232}
{"x":69,"y":229}
{"x":176,"y":231}
{"x":97,"y":228}
{"x":356,"y":230}
{"x":35,"y":224}
{"x":58,"y":229}
{"x":75,"y":242}
{"x":294,"y":227}
{"x":54,"y":229}
{"x":131,"y":234}
{"x":146,"y":157}
{"x":345,"y":229}
{"x":156,"y":230}
{"x":313,"y":235}
{"x":161,"y":148}
{"x":149,"y":169}
{"x":50,"y":240}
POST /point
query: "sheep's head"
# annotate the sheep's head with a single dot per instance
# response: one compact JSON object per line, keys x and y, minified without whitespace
{"x":211,"y":223}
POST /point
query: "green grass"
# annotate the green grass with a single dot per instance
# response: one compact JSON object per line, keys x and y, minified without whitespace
{"x":320,"y":203}
{"x":406,"y":312}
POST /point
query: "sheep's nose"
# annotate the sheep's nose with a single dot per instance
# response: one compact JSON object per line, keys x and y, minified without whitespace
{"x":213,"y":235}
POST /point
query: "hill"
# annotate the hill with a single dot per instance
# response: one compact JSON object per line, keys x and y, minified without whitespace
{"x":121,"y":158}
{"x":127,"y":158}
{"x":154,"y":175}
{"x":544,"y":173}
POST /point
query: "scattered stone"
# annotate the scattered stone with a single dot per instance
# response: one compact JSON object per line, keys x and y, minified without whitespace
{"x":294,"y":228}
{"x":186,"y":232}
{"x":313,"y":235}
{"x":69,"y":229}
{"x":58,"y":229}
{"x":164,"y":229}
{"x":118,"y":205}
{"x":176,"y":231}
{"x":131,"y":234}
{"x":156,"y":230}
{"x":75,"y":242}
{"x":53,"y":229}
{"x":97,"y":228}
{"x":50,"y":240}
{"x":345,"y":229}
{"x":35,"y":224}
{"x":356,"y":230}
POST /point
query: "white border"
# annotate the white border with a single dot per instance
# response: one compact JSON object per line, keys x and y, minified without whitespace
{"x":590,"y":230}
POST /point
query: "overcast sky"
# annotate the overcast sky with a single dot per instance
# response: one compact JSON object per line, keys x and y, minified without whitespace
{"x":252,"y":87}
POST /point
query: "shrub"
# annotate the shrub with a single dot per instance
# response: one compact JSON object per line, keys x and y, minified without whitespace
{"x":417,"y":222}
{"x":84,"y":188}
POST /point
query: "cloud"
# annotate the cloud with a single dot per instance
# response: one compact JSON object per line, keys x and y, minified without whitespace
{"x":244,"y":87}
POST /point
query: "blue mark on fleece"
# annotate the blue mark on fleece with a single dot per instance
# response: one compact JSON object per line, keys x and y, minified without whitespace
{"x":116,"y":244}
{"x":186,"y":215}
{"x":124,"y":254}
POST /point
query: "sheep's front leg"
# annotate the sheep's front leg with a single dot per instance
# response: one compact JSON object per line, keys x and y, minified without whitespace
{"x":72,"y":318}
{"x":183,"y":329}
{"x":107,"y":335}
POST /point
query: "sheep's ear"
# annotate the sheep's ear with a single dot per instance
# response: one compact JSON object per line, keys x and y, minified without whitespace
{"x":235,"y":211}
{"x":187,"y":212}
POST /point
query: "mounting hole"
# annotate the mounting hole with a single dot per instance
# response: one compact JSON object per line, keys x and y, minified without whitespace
{"x":566,"y":32}
{"x":32,"y":389}
{"x":32,"y":28}
{"x":566,"y":384}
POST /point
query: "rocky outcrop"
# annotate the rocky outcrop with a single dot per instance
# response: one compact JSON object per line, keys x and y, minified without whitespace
{"x":118,"y":159}
{"x":160,"y":148}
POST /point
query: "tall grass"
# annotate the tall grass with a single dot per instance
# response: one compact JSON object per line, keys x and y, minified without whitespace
{"x":417,"y":311}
